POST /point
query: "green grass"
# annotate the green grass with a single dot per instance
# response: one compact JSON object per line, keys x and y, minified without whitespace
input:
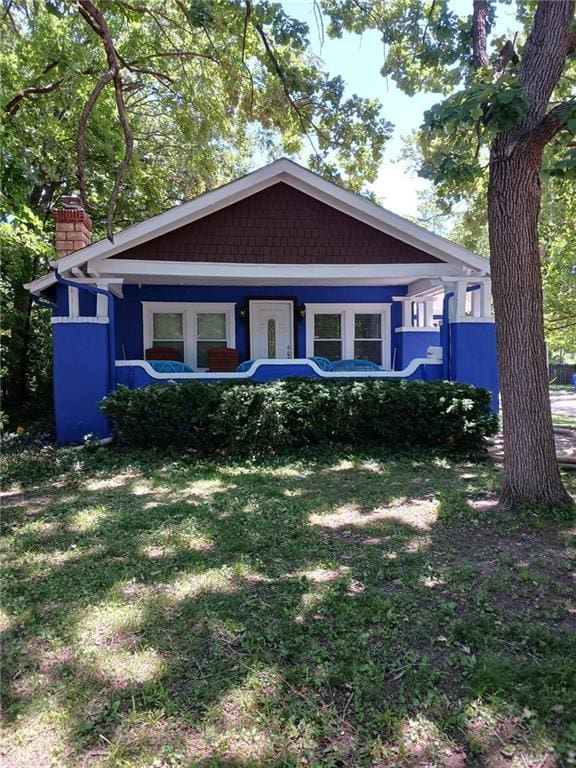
{"x":563,"y":420}
{"x":336,"y":610}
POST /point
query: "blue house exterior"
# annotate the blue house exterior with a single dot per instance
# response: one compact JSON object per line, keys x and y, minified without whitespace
{"x":293,"y":272}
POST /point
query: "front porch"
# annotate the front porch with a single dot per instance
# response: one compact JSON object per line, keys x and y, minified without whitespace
{"x":334,"y":331}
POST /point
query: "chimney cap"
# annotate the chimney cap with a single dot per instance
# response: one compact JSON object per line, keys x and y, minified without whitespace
{"x":72,"y":202}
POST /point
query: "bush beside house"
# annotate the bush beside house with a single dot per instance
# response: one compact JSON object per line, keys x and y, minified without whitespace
{"x":248,"y":419}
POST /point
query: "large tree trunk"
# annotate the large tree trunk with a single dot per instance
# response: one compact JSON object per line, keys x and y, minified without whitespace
{"x":531,"y":472}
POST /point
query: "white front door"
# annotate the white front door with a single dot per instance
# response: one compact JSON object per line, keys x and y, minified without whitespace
{"x":271,"y":330}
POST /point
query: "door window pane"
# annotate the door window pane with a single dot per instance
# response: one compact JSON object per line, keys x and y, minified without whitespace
{"x":271,"y":339}
{"x":211,"y":325}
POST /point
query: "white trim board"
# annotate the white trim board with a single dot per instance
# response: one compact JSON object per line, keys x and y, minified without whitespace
{"x":246,"y":271}
{"x":58,"y":319}
{"x":408,"y":371}
{"x":300,"y":178}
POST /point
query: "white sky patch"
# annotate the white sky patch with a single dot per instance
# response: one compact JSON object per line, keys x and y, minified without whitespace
{"x":398,"y":189}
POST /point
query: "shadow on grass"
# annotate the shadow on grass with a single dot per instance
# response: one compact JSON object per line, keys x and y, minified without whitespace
{"x":303,"y":611}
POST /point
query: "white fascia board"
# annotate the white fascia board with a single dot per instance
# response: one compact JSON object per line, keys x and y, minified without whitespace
{"x":298,"y":177}
{"x":40,"y":284}
{"x":192,"y":269}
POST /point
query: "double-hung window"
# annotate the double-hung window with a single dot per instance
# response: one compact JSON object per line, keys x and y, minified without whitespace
{"x":368,"y":336}
{"x":328,"y":335}
{"x":191,"y":329}
{"x":168,"y":331}
{"x":344,"y":331}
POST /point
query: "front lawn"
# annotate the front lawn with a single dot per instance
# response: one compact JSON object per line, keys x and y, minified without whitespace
{"x":344,"y":610}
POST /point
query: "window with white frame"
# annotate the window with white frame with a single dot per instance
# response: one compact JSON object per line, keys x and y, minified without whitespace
{"x":168,"y":331}
{"x":191,"y":329}
{"x":368,"y":336}
{"x":328,"y":335}
{"x":343,"y":331}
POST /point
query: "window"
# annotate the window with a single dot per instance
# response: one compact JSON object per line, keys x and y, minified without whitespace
{"x":342,"y":331}
{"x":368,"y":337}
{"x":210,"y":333}
{"x":168,"y":331}
{"x":328,"y":336}
{"x":189,"y":328}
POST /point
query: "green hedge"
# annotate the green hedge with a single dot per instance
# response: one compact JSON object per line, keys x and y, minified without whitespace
{"x":249,"y":419}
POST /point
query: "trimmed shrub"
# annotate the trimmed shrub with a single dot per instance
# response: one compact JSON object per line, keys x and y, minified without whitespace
{"x":249,"y":419}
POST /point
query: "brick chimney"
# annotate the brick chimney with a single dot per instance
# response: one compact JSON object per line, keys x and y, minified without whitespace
{"x":73,"y":226}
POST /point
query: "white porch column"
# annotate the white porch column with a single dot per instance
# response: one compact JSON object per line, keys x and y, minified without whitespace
{"x":480,"y":299}
{"x":423,"y":308}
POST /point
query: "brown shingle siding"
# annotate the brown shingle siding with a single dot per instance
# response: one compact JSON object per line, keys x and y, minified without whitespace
{"x":279,"y":225}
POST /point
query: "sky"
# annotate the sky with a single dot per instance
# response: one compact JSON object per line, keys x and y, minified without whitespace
{"x":358,"y":60}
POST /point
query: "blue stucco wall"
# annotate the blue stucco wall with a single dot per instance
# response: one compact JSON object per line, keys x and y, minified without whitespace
{"x":411,"y":344}
{"x":86,"y":301}
{"x":473,"y":356}
{"x":81,"y":379}
{"x":129,"y":343}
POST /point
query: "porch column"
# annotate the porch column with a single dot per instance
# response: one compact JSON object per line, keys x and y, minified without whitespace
{"x":82,"y":375}
{"x":470,"y":339}
{"x":417,"y":332}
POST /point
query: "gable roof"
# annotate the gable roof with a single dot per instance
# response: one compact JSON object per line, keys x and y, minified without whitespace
{"x":290,"y":173}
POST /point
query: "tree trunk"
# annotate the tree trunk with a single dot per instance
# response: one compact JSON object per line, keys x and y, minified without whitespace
{"x":531,"y":473}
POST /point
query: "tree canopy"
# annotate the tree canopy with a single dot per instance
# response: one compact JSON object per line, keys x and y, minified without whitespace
{"x":142,"y":105}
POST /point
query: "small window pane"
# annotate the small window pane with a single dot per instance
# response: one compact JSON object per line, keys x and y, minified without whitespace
{"x":168,"y":325}
{"x":327,"y":326}
{"x":177,"y":346}
{"x":367,"y":326}
{"x":212,"y":325}
{"x":202,"y":348}
{"x":331,"y":350}
{"x":368,"y":350}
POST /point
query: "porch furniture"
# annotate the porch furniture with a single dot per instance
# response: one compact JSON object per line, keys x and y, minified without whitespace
{"x":170,"y":366}
{"x":161,"y":353}
{"x":322,"y":362}
{"x":223,"y":359}
{"x":355,"y":365}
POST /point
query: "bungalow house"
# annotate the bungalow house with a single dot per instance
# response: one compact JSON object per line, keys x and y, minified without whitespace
{"x":279,"y":273}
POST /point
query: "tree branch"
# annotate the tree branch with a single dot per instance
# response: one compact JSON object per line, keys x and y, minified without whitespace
{"x":480,"y":34}
{"x":550,"y":125}
{"x":304,"y":122}
{"x":507,"y":54}
{"x":14,"y":104}
{"x":95,"y":19}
